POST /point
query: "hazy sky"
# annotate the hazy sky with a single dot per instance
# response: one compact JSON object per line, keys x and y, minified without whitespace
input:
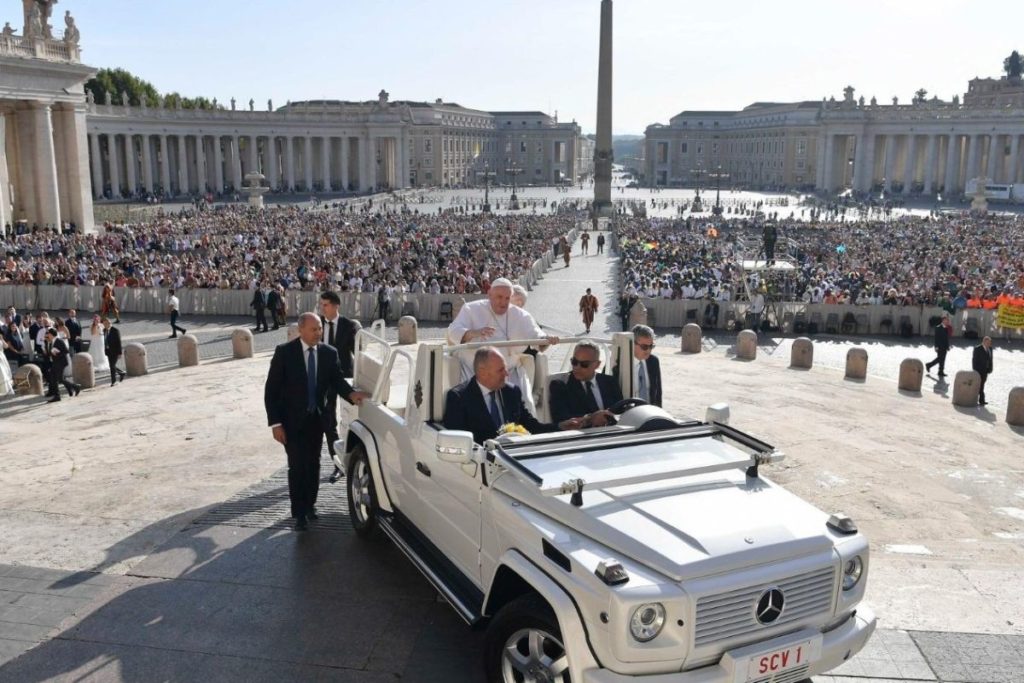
{"x":670,"y":55}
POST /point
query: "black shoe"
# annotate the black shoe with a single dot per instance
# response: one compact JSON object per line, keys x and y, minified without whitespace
{"x":173,"y":336}
{"x":113,"y":383}
{"x":118,"y":321}
{"x":54,"y":399}
{"x":184,"y":331}
{"x":300,"y":523}
{"x":335,"y":475}
{"x":942,"y":374}
{"x":78,"y":389}
{"x":982,"y":402}
{"x":122,"y":376}
{"x":928,"y":367}
{"x":312,"y":514}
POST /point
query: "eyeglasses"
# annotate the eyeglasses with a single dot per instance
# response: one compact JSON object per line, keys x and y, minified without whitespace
{"x":582,"y":363}
{"x":645,"y":347}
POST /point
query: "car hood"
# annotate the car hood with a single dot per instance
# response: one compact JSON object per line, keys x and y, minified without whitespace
{"x":694,"y":526}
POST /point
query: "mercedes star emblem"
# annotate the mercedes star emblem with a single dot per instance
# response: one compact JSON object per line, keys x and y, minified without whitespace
{"x":769,"y":606}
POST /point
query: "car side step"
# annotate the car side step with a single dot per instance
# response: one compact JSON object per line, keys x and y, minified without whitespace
{"x":444,"y":576}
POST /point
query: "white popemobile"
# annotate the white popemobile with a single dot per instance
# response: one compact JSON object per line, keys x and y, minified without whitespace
{"x":651,"y":549}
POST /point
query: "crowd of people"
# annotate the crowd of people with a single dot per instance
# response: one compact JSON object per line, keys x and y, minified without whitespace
{"x":952,"y":261}
{"x":293,"y":248}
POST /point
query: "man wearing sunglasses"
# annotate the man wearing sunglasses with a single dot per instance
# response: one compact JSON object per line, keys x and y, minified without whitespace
{"x":583,"y":393}
{"x":647,"y":369}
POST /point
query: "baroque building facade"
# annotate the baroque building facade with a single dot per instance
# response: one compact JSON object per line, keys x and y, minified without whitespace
{"x":927,"y":146}
{"x":326,"y":145}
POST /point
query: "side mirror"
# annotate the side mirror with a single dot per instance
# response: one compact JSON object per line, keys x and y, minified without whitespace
{"x":455,"y":447}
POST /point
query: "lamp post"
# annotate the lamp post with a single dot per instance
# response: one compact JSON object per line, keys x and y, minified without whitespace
{"x":697,"y":173}
{"x":487,"y":173}
{"x":718,"y":175}
{"x":513,"y":171}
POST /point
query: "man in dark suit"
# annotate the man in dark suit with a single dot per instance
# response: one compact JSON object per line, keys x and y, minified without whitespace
{"x":484,"y":402}
{"x":304,"y":377}
{"x":113,"y":350}
{"x":647,"y":369}
{"x":259,"y":303}
{"x":60,"y":353}
{"x":74,"y":330}
{"x":583,"y":393}
{"x":274,"y":303}
{"x":339,"y":332}
{"x":982,"y":364}
{"x":942,"y":333}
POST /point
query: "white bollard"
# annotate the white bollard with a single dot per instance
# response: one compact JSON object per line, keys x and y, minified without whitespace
{"x":746,"y":345}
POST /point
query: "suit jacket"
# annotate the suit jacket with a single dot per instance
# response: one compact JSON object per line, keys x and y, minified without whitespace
{"x":113,"y":345}
{"x":568,"y":398}
{"x":464,"y":408}
{"x":941,"y":337}
{"x":259,"y":300}
{"x":60,"y":359}
{"x":653,"y":380}
{"x":981,"y":362}
{"x":273,"y":300}
{"x":344,"y":342}
{"x":74,"y":330}
{"x":284,"y":394}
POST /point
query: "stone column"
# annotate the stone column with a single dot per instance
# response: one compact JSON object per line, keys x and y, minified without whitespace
{"x":889,"y":162}
{"x":307,"y":162}
{"x":910,"y":165}
{"x":75,"y":160}
{"x":130,"y":161}
{"x":861,"y":164}
{"x":819,"y":170}
{"x":97,"y":165}
{"x":201,"y":180}
{"x":114,"y":162}
{"x":403,"y":160}
{"x":289,"y":162}
{"x":5,"y":179}
{"x":361,"y":164}
{"x":929,"y":164}
{"x":182,"y":166}
{"x":829,"y":167}
{"x":254,"y":161}
{"x":325,"y":163}
{"x":47,"y":188}
{"x":165,"y":165}
{"x":270,"y":152}
{"x":1014,"y":160}
{"x":344,"y":162}
{"x":951,"y":179}
{"x":147,"y":162}
{"x":603,"y":156}
{"x":995,"y":157}
{"x":218,"y":164}
{"x":236,"y":163}
{"x":973,"y":147}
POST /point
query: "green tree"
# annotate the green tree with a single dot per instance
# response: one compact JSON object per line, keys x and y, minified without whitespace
{"x":1013,"y":65}
{"x":116,"y":81}
{"x":171,"y":100}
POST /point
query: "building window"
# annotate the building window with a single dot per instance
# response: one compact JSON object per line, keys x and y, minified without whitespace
{"x":428,"y":146}
{"x":700,"y":149}
{"x":801,"y":147}
{"x":522,"y":146}
{"x":540,"y":148}
{"x":684,"y":148}
{"x":662,"y":152}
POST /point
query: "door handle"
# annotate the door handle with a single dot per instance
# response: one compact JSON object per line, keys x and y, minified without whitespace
{"x":423,"y":469}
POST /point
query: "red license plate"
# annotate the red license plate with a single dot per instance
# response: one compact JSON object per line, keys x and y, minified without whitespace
{"x":774,"y":662}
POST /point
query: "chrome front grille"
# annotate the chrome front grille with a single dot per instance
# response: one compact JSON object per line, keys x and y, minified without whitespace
{"x":731,"y":614}
{"x":791,"y":676}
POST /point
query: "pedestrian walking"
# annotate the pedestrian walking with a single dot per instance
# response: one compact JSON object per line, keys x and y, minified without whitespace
{"x":564,"y":246}
{"x":588,"y":307}
{"x":585,"y":243}
{"x":600,"y":243}
{"x":943,"y":331}
{"x":259,"y":304}
{"x":982,"y":364}
{"x":172,"y":308}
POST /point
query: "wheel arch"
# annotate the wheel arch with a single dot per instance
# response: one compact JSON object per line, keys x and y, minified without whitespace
{"x":360,"y":435}
{"x":515,"y":576}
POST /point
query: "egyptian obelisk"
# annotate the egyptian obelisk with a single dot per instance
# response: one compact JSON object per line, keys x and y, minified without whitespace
{"x":603,"y":151}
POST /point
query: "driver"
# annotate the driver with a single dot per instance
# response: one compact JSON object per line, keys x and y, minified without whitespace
{"x":583,"y":393}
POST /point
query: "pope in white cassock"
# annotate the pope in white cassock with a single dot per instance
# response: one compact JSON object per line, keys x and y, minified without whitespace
{"x":495,"y":319}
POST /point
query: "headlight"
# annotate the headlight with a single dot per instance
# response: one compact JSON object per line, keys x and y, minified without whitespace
{"x":647,"y":621}
{"x":852,"y":571}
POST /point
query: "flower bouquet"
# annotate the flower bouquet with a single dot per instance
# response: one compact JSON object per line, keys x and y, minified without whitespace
{"x":512,"y":429}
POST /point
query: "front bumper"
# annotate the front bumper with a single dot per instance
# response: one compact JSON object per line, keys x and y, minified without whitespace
{"x":837,"y":646}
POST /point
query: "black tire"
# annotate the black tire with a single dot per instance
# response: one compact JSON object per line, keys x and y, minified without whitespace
{"x":362,"y":500}
{"x":529,"y":625}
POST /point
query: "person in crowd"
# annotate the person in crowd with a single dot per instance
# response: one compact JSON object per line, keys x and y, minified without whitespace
{"x":259,"y":306}
{"x":172,"y":308}
{"x":74,"y":330}
{"x":485,"y":402}
{"x":305,"y":374}
{"x":113,"y":350}
{"x":97,"y":345}
{"x":943,"y":333}
{"x":647,"y":367}
{"x":339,"y":333}
{"x":600,"y":243}
{"x":109,"y":302}
{"x":60,"y":354}
{"x":981,"y":363}
{"x":274,"y":304}
{"x":584,"y":393}
{"x":588,"y":309}
{"x":584,"y":243}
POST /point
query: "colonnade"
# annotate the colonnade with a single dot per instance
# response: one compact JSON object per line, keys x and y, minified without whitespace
{"x":927,"y":163}
{"x":161,"y":163}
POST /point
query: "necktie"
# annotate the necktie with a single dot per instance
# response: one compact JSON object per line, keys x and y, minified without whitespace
{"x":591,"y":398}
{"x":311,"y":381}
{"x":330,"y":334}
{"x":495,"y":413}
{"x":643,"y":382}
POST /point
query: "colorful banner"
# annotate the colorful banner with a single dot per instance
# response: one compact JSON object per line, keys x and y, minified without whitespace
{"x":1011,"y":317}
